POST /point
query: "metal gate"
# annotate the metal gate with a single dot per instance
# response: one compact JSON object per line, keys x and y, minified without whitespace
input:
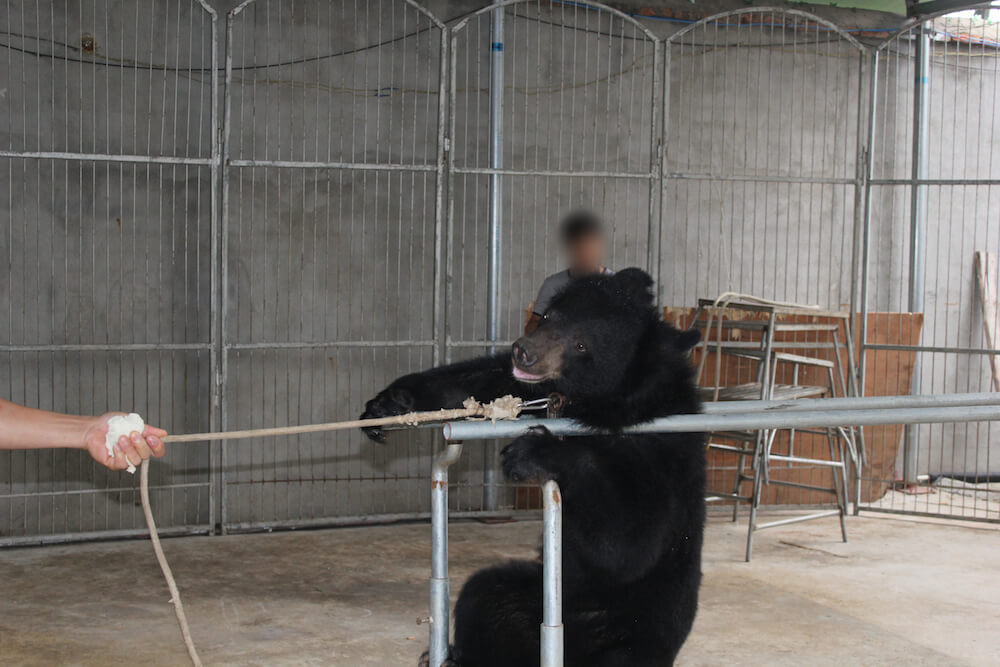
{"x":932,"y":203}
{"x":108,"y":237}
{"x":373,"y":190}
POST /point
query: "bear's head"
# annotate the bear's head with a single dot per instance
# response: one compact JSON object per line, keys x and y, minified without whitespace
{"x":603,"y":346}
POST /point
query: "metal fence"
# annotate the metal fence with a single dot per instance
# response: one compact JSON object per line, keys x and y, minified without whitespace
{"x":262,"y":218}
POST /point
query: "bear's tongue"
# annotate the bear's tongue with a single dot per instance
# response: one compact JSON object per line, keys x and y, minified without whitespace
{"x":524,"y":376}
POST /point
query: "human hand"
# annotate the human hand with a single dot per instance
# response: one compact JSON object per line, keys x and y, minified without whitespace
{"x":133,"y":449}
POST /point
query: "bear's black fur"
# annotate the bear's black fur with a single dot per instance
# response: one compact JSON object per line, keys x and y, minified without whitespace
{"x":633,"y":504}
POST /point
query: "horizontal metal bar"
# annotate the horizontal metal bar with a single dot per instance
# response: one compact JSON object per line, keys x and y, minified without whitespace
{"x":308,"y":164}
{"x":776,"y":419}
{"x":929,"y":348}
{"x":370,"y":519}
{"x":480,"y":343}
{"x":797,"y":519}
{"x":92,"y":536}
{"x":799,"y":485}
{"x":102,"y":490}
{"x":682,"y":176}
{"x":934,"y":181}
{"x":553,"y":172}
{"x":932,"y":515}
{"x":107,"y":347}
{"x":328,"y":343}
{"x":105,"y":157}
{"x":872,"y":402}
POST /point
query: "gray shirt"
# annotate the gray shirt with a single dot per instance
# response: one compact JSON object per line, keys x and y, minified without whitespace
{"x":551,"y":287}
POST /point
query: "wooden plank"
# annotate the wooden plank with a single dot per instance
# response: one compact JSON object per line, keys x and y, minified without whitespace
{"x":986,"y":272}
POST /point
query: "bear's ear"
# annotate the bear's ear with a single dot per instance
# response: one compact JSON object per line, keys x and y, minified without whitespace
{"x":687,"y":339}
{"x":635,"y":283}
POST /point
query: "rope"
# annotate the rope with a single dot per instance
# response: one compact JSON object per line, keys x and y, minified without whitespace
{"x":505,"y":407}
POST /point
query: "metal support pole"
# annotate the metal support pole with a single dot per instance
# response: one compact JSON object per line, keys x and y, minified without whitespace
{"x":490,"y":479}
{"x":440,"y":588}
{"x":552,"y":625}
{"x":918,"y":221}
{"x":739,"y":421}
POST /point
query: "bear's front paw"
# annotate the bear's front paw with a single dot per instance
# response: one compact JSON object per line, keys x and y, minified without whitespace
{"x":524,"y":460}
{"x":387,"y":403}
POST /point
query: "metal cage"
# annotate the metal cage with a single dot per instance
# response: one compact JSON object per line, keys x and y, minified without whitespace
{"x":261,"y":220}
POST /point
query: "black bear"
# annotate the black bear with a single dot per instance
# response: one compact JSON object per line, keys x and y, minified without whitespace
{"x":633,"y":505}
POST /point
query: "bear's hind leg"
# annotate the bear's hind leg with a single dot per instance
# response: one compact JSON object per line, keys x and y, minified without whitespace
{"x":497,"y":617}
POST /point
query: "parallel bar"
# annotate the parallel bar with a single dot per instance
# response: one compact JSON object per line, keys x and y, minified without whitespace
{"x":870,"y":403}
{"x":777,"y":419}
{"x":552,"y":625}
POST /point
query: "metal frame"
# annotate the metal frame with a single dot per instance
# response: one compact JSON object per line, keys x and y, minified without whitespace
{"x":211,"y":345}
{"x":440,"y":343}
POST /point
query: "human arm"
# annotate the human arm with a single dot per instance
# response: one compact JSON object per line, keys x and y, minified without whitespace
{"x":28,"y":428}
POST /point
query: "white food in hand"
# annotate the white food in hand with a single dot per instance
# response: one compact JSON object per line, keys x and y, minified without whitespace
{"x":122,"y":426}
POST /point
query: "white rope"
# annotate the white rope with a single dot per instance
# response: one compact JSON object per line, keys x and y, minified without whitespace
{"x":505,"y":407}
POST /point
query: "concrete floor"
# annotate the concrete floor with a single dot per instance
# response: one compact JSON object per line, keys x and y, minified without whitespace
{"x":899,"y":592}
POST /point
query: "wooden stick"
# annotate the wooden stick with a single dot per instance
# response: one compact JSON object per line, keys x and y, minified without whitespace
{"x":986,"y":269}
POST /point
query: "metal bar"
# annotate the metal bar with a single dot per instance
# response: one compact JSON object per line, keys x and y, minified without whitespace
{"x":870,"y":403}
{"x":918,"y":220}
{"x":216,"y":286}
{"x":310,"y":164}
{"x":818,"y":180}
{"x":561,"y":173}
{"x":108,"y":347}
{"x":552,"y":625}
{"x":93,"y":536}
{"x":493,"y":300}
{"x":328,"y":343}
{"x":441,"y":240}
{"x":104,"y":157}
{"x":932,"y":348}
{"x":797,"y":519}
{"x":936,"y":181}
{"x":866,"y":230}
{"x":747,"y":421}
{"x":83,"y":492}
{"x":370,"y":520}
{"x":440,"y":593}
{"x":935,"y":515}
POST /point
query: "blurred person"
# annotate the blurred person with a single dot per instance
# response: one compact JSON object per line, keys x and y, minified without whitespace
{"x":584,"y":244}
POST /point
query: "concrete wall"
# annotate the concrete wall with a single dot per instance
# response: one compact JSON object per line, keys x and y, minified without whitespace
{"x":347,"y":255}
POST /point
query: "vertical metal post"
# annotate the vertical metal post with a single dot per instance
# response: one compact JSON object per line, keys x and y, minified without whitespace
{"x":215,"y":321}
{"x":918,"y":221}
{"x":495,"y":221}
{"x":552,"y":625}
{"x":440,"y":587}
{"x":865,"y":241}
{"x":440,"y":237}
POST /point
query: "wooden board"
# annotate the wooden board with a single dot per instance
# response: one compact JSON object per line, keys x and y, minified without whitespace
{"x":986,"y":272}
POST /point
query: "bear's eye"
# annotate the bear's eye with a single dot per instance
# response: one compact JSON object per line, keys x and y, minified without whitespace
{"x":580,"y":347}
